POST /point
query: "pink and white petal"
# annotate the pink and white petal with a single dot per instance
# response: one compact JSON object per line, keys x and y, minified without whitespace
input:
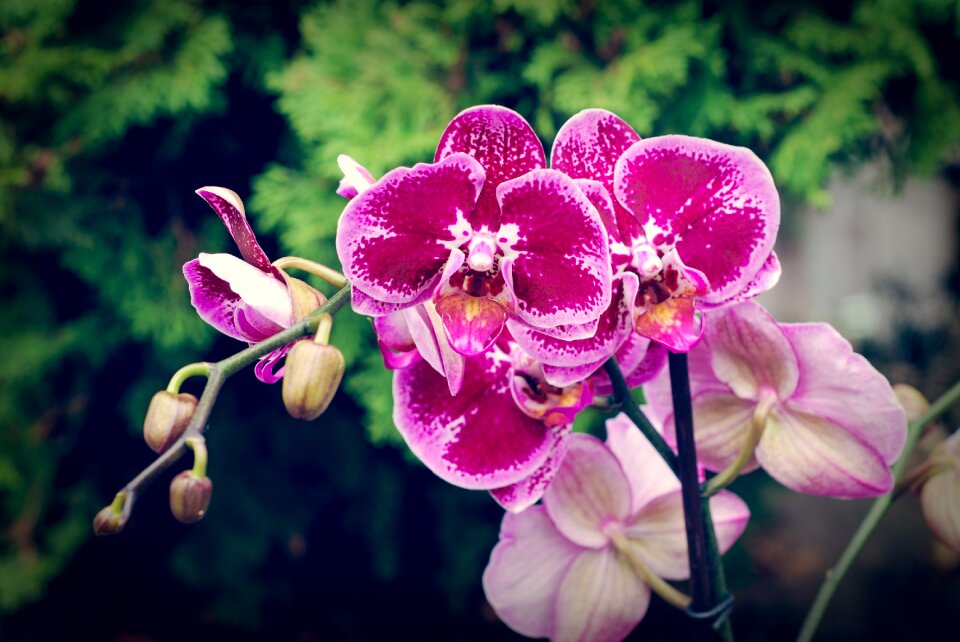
{"x":940,"y":499}
{"x":395,"y":238}
{"x":213,"y":299}
{"x":715,"y":203}
{"x":477,"y":439}
{"x":589,"y":144}
{"x":750,"y":352}
{"x":601,"y":599}
{"x":356,"y":178}
{"x":765,"y":279}
{"x":471,"y":324}
{"x":812,"y":455}
{"x":229,"y":208}
{"x":840,"y":385}
{"x":730,"y":515}
{"x":429,"y":336}
{"x":588,"y":491}
{"x":525,"y":493}
{"x":254,"y":326}
{"x":561,"y":270}
{"x":564,"y":332}
{"x":721,"y":423}
{"x":613,"y":328}
{"x":366,"y":305}
{"x":640,"y":360}
{"x":561,"y":376}
{"x":266,"y":369}
{"x":675,"y":323}
{"x":393,"y":332}
{"x":504,"y":144}
{"x":526,"y":567}
{"x":648,"y":475}
{"x":260,"y":290}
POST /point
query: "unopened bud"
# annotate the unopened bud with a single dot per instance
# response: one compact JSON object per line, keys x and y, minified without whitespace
{"x":167,"y":418}
{"x":110,"y":520}
{"x":190,"y":496}
{"x":940,"y":494}
{"x":311,"y":378}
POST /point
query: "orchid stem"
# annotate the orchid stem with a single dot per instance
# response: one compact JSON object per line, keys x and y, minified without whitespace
{"x":329,"y":275}
{"x":200,"y":369}
{"x":835,"y":575}
{"x":217,"y":373}
{"x":621,"y":395}
{"x":707,"y":582}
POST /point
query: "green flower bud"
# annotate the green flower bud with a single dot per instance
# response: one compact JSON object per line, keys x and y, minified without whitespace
{"x":190,"y":496}
{"x":167,"y":418}
{"x":311,"y":378}
{"x":107,"y":522}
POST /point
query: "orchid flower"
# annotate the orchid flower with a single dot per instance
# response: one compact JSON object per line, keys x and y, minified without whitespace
{"x":580,"y":567}
{"x":693,"y":221}
{"x":474,"y":232}
{"x":792,"y":398}
{"x":940,"y":495}
{"x":247,"y":299}
{"x":505,"y":431}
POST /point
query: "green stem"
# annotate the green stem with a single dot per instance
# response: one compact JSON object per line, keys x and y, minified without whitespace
{"x":200,"y":369}
{"x":329,"y":275}
{"x":217,"y":374}
{"x":199,"y":447}
{"x":621,"y":395}
{"x":879,"y":508}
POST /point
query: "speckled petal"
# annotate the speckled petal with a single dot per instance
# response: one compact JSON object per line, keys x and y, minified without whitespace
{"x":504,"y":144}
{"x":715,"y":203}
{"x":765,"y":279}
{"x":675,"y":323}
{"x":229,"y":208}
{"x":477,"y":439}
{"x":561,"y":272}
{"x":391,"y":238}
{"x":589,"y":490}
{"x":523,"y":494}
{"x":213,"y":299}
{"x":526,"y":567}
{"x":259,"y":290}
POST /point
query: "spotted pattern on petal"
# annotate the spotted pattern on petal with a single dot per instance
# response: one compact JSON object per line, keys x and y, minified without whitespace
{"x":236,"y":223}
{"x":504,"y":144}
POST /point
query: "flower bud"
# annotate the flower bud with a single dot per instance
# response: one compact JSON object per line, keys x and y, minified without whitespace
{"x":311,"y":378}
{"x":107,"y":522}
{"x":940,"y":495}
{"x":167,"y":418}
{"x":190,"y":496}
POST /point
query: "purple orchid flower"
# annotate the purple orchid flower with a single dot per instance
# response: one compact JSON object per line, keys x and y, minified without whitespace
{"x":246,"y":299}
{"x":505,"y":431}
{"x":829,"y":423}
{"x":692,"y":224}
{"x":580,"y":566}
{"x":475,"y":233}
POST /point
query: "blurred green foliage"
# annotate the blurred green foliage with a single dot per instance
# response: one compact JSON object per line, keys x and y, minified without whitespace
{"x":110,"y":114}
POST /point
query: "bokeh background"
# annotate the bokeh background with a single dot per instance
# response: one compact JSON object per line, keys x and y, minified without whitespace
{"x":111,"y":114}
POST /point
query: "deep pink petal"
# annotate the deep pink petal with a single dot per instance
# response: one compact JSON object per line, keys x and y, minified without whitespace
{"x":366,"y":305}
{"x":213,"y":299}
{"x":675,"y":323}
{"x":561,"y":271}
{"x":259,"y":290}
{"x":477,"y":439}
{"x":765,"y":279}
{"x":426,"y":331}
{"x":526,"y":567}
{"x":504,"y":144}
{"x":715,"y":203}
{"x":267,"y":369}
{"x":253,"y":325}
{"x":356,"y":178}
{"x":523,"y":494}
{"x":395,"y":238}
{"x":812,"y":455}
{"x":842,"y":386}
{"x":589,"y":490}
{"x":471,"y":324}
{"x":750,"y":352}
{"x":229,"y":208}
{"x":640,"y":360}
{"x":601,"y":599}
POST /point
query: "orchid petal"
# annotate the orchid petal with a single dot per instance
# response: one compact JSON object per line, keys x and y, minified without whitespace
{"x":503,"y":143}
{"x":259,"y":290}
{"x":722,"y":423}
{"x":675,"y":323}
{"x":715,"y":203}
{"x":427,"y":333}
{"x":471,"y":324}
{"x":395,"y":238}
{"x":590,"y":489}
{"x":601,"y":599}
{"x":750,"y":353}
{"x":842,"y":386}
{"x":356,"y":178}
{"x":253,"y":325}
{"x":812,"y":455}
{"x":478,"y":439}
{"x":266,"y":369}
{"x":561,"y":272}
{"x":523,"y":494}
{"x":229,"y":208}
{"x":648,"y":475}
{"x":526,"y":567}
{"x":213,"y":299}
{"x":366,"y":305}
{"x":765,"y":279}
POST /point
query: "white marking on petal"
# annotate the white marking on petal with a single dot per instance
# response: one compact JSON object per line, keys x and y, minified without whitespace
{"x":260,"y":290}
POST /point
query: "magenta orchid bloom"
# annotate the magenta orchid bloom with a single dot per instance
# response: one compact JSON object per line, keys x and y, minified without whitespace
{"x":505,"y":431}
{"x":579,"y":566}
{"x":940,"y":495}
{"x":246,"y":299}
{"x":831,"y":424}
{"x":693,"y":220}
{"x":475,"y":233}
